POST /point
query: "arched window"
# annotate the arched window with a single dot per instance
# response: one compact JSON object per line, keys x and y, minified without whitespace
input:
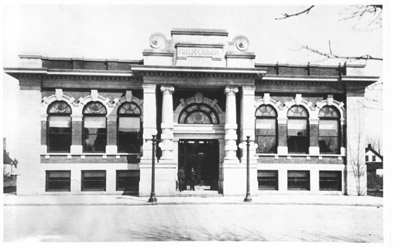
{"x":266,"y":129}
{"x":329,"y":130}
{"x":59,"y":127}
{"x":94,"y":127}
{"x":198,"y":114}
{"x":129,"y":128}
{"x":298,"y":139}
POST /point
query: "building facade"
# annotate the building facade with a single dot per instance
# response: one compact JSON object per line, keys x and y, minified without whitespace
{"x":86,"y":125}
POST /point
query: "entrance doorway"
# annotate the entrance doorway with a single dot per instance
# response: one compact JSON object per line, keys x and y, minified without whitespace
{"x":203,"y":156}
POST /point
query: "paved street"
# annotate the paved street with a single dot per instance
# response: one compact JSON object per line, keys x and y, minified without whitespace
{"x":193,"y":222}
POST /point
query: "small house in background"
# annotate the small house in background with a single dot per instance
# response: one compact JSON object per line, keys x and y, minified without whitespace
{"x":374,"y":162}
{"x":9,"y":171}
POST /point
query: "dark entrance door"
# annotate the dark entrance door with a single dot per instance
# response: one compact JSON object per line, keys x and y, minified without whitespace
{"x":203,"y":156}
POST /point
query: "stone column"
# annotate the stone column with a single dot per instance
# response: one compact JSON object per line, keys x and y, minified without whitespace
{"x":167,"y":123}
{"x":149,"y":119}
{"x":234,"y":173}
{"x":314,"y":137}
{"x":230,"y":124}
{"x":356,"y":172}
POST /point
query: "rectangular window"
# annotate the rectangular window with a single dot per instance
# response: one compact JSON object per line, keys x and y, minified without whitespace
{"x":330,"y":180}
{"x":298,"y":180}
{"x":94,"y":134}
{"x":298,"y":141}
{"x":267,"y":180}
{"x":328,"y":136}
{"x":266,"y":135}
{"x":129,"y":136}
{"x":58,"y":181}
{"x":59,"y":134}
{"x":366,"y":158}
{"x":93,"y":180}
{"x":373,"y":158}
{"x":128,"y":181}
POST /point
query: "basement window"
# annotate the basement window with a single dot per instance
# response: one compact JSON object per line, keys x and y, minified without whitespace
{"x":267,"y":180}
{"x":93,"y":180}
{"x":330,"y":180}
{"x":298,"y":180}
{"x":58,"y":181}
{"x":128,"y":181}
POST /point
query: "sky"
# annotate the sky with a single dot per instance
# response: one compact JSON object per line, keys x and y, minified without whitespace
{"x":108,"y":31}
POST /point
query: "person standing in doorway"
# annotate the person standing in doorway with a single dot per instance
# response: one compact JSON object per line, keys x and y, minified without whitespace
{"x":192,"y":179}
{"x":181,"y":179}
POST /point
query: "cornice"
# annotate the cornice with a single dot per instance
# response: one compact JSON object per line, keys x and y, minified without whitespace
{"x":69,"y":74}
{"x":197,"y":71}
{"x":203,"y":32}
{"x":190,"y":45}
{"x":245,"y":55}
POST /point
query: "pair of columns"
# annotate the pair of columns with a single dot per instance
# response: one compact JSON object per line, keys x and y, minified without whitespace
{"x":150,"y":124}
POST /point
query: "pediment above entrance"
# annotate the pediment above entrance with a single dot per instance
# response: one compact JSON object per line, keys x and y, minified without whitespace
{"x":199,"y":48}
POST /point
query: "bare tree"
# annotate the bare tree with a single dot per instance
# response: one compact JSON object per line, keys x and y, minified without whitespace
{"x":286,"y":15}
{"x":332,"y":55}
{"x":371,"y":13}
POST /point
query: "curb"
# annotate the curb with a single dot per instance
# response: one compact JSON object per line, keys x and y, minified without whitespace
{"x":196,"y":203}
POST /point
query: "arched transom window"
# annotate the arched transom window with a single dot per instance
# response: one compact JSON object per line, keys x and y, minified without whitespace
{"x":94,"y":127}
{"x":129,"y":128}
{"x":298,"y":139}
{"x":198,"y":114}
{"x":59,"y":127}
{"x":266,"y":129}
{"x":329,"y":130}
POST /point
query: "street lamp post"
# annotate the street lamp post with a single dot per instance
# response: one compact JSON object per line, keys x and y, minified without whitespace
{"x":248,"y":197}
{"x":153,"y":194}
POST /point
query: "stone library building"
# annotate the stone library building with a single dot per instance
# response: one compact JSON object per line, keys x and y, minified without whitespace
{"x":86,"y":125}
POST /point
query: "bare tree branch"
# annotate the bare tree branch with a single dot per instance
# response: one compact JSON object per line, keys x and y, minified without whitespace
{"x":363,"y":57}
{"x":360,"y":11}
{"x":286,"y":15}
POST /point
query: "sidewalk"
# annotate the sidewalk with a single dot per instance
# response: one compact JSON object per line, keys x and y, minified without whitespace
{"x":42,"y":200}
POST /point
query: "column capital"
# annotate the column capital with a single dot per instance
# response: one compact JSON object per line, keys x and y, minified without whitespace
{"x":231,"y":89}
{"x":167,"y":89}
{"x":248,"y":90}
{"x":149,"y":88}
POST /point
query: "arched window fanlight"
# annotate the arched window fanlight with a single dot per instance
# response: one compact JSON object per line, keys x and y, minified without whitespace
{"x":266,"y":129}
{"x":59,"y":133}
{"x":94,"y":127}
{"x":129,"y":128}
{"x":198,"y":114}
{"x":329,"y":130}
{"x":298,"y":137}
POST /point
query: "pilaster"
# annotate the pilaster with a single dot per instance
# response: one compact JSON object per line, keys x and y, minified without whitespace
{"x":31,"y":178}
{"x":314,"y":132}
{"x":282,"y":136}
{"x":149,"y":119}
{"x":356,"y":172}
{"x":76,"y":146}
{"x":111,"y":147}
{"x":248,"y":121}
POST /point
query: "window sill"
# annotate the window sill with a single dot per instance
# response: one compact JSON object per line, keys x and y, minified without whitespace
{"x":308,"y":156}
{"x":83,"y":155}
